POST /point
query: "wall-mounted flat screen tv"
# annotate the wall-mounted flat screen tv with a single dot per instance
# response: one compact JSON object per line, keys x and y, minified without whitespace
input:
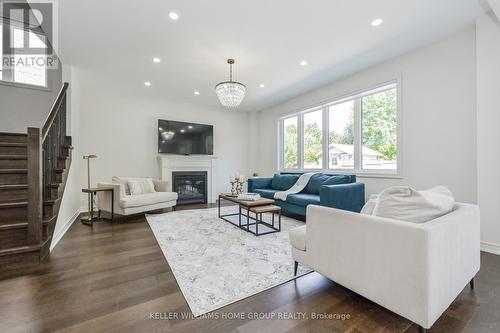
{"x":175,"y":137}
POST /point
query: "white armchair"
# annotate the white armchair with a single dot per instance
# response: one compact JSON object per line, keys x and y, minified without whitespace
{"x":414,"y":270}
{"x":126,"y":204}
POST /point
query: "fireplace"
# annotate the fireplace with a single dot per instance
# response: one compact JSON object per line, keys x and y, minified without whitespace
{"x":191,"y":186}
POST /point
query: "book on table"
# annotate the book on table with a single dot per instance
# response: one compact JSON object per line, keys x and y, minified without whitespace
{"x":249,"y":196}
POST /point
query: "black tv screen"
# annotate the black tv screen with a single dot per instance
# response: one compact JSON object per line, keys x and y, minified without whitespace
{"x":181,"y":138}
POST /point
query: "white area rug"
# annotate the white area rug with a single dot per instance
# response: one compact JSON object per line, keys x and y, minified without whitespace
{"x":216,"y":263}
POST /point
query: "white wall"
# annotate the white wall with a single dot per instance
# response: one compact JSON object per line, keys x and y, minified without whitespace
{"x":22,"y":107}
{"x":121,"y":129}
{"x":438,"y":143}
{"x":488,"y":134}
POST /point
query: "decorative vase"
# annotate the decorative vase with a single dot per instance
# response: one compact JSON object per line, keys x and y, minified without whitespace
{"x":233,"y":187}
{"x":236,"y":182}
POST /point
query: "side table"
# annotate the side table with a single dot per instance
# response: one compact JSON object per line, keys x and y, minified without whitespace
{"x":93,"y":192}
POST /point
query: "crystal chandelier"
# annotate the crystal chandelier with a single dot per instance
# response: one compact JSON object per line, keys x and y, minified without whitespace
{"x":230,"y":93}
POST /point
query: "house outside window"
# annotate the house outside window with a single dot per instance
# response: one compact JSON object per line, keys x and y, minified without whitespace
{"x":358,"y":134}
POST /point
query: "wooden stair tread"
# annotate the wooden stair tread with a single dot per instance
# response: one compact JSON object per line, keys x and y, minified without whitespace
{"x":24,"y":203}
{"x":18,"y":225}
{"x":13,"y":171}
{"x":13,"y":134}
{"x":13,"y":157}
{"x":20,"y":249}
{"x":13,"y":144}
{"x":14,"y":187}
{"x":13,"y":204}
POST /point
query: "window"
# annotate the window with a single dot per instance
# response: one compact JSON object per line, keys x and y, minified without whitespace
{"x":23,"y":68}
{"x":290,"y":143}
{"x":341,"y":136}
{"x":357,"y":133}
{"x":379,"y":115}
{"x":313,"y":139}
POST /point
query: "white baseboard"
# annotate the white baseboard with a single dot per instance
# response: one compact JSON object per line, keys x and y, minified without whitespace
{"x":490,"y":248}
{"x":57,"y":237}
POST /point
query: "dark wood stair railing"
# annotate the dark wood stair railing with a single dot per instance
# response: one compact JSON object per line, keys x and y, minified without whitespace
{"x":48,"y":154}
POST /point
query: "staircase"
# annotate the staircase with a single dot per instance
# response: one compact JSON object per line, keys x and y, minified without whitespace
{"x":33,"y":171}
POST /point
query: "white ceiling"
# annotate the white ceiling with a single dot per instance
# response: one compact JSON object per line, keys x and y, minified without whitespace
{"x":268,"y":39}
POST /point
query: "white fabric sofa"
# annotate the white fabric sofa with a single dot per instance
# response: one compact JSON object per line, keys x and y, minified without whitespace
{"x":414,"y":270}
{"x":126,"y":204}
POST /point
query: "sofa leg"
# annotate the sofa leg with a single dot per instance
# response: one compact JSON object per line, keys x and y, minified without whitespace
{"x":295,"y":266}
{"x":173,"y":208}
{"x":421,"y":329}
{"x":472,"y":284}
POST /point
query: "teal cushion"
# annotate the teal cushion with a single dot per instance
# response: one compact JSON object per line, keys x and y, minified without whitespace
{"x":303,"y":199}
{"x":283,"y":182}
{"x":337,"y":180}
{"x":315,"y":183}
{"x":265,"y":193}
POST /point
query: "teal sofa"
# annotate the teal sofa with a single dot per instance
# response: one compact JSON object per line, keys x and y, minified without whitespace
{"x":329,"y":190}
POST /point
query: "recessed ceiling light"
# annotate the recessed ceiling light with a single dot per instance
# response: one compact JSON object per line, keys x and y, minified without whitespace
{"x":262,"y":85}
{"x":377,"y":22}
{"x":156,"y":59}
{"x":147,"y":84}
{"x":190,"y":127}
{"x":183,"y":130}
{"x":173,"y":16}
{"x":303,"y":63}
{"x":196,"y":93}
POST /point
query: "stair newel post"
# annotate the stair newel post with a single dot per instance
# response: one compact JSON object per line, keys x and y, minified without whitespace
{"x":35,"y":202}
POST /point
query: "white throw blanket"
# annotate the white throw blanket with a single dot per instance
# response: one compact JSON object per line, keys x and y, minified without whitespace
{"x":296,"y":188}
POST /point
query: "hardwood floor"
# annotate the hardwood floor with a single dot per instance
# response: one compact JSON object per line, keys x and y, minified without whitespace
{"x":114,"y":278}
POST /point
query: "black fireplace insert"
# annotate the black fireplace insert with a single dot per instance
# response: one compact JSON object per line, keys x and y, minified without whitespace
{"x":191,"y":186}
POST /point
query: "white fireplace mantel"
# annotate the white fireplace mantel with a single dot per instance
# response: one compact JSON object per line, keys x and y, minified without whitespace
{"x":172,"y":163}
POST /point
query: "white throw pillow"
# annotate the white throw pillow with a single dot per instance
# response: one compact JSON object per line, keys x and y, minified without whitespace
{"x":370,"y":205}
{"x":134,"y":187}
{"x":147,"y":185}
{"x":407,"y":204}
{"x":141,"y":185}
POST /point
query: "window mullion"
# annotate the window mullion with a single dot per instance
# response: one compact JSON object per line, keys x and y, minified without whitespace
{"x":357,"y":135}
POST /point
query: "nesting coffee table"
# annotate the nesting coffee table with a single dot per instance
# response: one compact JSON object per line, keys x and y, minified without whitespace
{"x":254,"y":225}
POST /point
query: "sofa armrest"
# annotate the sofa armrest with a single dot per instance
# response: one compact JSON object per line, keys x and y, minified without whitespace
{"x":259,"y":183}
{"x":104,"y":198}
{"x":160,"y":185}
{"x":455,"y":247}
{"x":343,"y":196}
{"x":382,"y":259}
{"x":415,"y":270}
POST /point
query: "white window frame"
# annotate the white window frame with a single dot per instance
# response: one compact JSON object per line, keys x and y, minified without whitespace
{"x":356,"y":96}
{"x":9,"y":73}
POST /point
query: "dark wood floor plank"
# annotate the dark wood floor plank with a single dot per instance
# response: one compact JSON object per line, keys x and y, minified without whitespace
{"x":113,"y":277}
